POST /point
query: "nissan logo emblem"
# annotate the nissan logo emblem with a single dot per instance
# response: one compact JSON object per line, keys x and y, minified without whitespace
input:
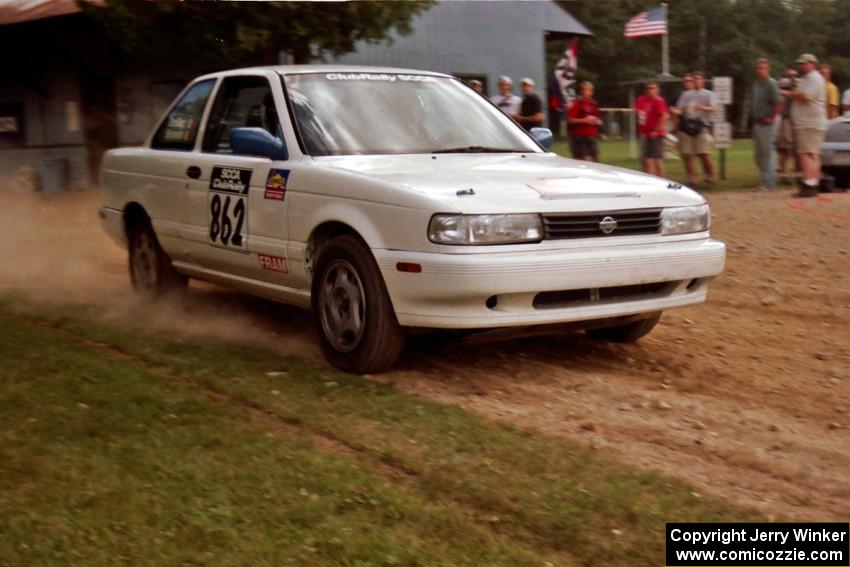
{"x":607,"y":225}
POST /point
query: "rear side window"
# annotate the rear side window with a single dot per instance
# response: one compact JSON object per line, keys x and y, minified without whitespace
{"x":241,"y":102}
{"x":180,"y":127}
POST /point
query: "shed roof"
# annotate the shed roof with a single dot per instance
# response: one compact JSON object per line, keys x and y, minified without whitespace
{"x":19,"y":11}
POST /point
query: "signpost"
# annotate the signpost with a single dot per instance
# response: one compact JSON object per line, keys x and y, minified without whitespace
{"x":722,"y":135}
{"x":722,"y":129}
{"x":722,"y":89}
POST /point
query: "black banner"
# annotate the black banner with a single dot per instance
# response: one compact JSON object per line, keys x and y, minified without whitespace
{"x":762,"y":545}
{"x":230,"y":180}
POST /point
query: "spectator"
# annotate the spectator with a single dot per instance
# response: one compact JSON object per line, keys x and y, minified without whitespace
{"x":785,"y":131}
{"x":507,"y":100}
{"x":476,"y":86}
{"x":808,"y":115}
{"x":651,"y":113}
{"x":766,"y":104}
{"x":831,"y":92}
{"x":694,"y":108}
{"x":845,"y":101}
{"x":530,"y":113}
{"x":582,"y":122}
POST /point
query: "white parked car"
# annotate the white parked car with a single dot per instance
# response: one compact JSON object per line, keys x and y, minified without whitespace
{"x":389,"y":199}
{"x":835,"y":153}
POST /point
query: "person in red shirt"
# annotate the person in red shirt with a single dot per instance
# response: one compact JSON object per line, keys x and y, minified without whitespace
{"x":582,"y":123}
{"x":651,"y":115}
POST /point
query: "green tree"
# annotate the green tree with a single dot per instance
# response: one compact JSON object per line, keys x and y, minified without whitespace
{"x":720,"y":37}
{"x":234,"y":33}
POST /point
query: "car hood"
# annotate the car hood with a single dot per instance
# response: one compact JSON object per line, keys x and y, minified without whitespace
{"x":500,"y":183}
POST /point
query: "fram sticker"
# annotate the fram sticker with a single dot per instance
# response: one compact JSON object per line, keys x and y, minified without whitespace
{"x":230,"y":180}
{"x":273,"y":263}
{"x":276,"y":184}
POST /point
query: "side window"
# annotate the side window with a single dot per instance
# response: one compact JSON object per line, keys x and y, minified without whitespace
{"x":241,"y":102}
{"x":178,"y":130}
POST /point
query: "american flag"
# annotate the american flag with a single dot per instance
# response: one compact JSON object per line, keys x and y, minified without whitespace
{"x":653,"y":22}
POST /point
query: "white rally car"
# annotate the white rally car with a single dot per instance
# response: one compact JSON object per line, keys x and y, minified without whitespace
{"x":391,"y":199}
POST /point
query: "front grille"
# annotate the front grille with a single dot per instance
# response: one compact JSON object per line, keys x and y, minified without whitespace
{"x":586,"y":225}
{"x":555,"y":299}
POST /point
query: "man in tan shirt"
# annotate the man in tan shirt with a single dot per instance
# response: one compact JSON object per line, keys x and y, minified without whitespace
{"x":808,"y":115}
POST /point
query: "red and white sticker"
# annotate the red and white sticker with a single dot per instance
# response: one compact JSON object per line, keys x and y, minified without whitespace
{"x":273,"y":263}
{"x":276,"y":184}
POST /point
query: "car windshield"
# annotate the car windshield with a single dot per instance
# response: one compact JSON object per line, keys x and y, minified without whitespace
{"x":392,"y":113}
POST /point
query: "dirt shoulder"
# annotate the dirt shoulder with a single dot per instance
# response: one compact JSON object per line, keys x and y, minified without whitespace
{"x":747,"y":396}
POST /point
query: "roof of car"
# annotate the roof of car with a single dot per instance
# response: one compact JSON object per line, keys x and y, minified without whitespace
{"x":303,"y":69}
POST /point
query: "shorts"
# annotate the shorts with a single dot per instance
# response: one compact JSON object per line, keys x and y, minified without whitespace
{"x":652,"y":148}
{"x":695,"y":145}
{"x":785,"y":135}
{"x":808,"y":140}
{"x":584,"y":146}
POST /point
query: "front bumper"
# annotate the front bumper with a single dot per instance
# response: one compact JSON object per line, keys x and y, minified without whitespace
{"x":835,"y":154}
{"x":487,"y":290}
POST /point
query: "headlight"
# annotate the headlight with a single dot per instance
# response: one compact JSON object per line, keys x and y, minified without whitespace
{"x":485,"y":229}
{"x":680,"y":220}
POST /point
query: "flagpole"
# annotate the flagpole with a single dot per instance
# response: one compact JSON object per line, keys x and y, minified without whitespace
{"x":665,"y":48}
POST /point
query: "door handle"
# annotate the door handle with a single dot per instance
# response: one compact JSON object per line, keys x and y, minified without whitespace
{"x":193,"y":171}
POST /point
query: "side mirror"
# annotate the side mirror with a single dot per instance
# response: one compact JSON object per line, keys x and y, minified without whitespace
{"x":542,"y":136}
{"x":257,"y":142}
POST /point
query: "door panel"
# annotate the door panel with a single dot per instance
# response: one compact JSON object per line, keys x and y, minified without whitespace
{"x":165,"y":166}
{"x":237,"y":205}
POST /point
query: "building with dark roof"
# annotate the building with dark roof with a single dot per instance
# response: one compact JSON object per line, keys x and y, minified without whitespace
{"x":64,"y":100}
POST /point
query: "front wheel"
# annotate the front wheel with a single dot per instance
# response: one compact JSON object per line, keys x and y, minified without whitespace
{"x":628,"y":333}
{"x":352,"y":312}
{"x":151,"y":272}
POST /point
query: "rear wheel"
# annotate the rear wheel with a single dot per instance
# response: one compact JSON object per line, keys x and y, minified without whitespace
{"x":352,"y":312}
{"x":627,"y":333}
{"x":151,"y":272}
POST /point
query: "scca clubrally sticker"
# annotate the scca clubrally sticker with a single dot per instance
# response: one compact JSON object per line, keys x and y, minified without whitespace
{"x":276,"y":184}
{"x":230,"y":180}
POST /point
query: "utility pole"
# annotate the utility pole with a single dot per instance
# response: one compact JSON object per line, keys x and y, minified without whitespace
{"x":665,"y":47}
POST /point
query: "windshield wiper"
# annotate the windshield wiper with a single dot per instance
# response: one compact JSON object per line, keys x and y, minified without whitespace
{"x":478,"y":150}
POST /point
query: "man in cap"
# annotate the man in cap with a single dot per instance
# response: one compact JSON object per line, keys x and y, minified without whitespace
{"x":530,"y":113}
{"x":507,"y":100}
{"x":808,"y":115}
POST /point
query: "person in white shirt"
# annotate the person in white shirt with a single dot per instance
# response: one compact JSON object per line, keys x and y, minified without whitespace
{"x":845,"y":101}
{"x":506,"y":100}
{"x":696,"y":104}
{"x":808,"y":115}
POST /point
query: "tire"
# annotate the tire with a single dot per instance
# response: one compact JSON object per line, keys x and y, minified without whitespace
{"x":842,"y":178}
{"x":352,"y":312}
{"x":151,"y":272}
{"x":628,"y":333}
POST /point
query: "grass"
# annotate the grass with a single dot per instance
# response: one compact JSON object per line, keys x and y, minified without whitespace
{"x":741,"y":171}
{"x":119,"y":446}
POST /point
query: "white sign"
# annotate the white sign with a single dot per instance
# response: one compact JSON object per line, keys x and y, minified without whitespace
{"x":719,"y":114}
{"x":722,"y":135}
{"x":722,"y":89}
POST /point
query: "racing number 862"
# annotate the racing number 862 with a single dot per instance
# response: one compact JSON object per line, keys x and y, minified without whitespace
{"x":226,"y":224}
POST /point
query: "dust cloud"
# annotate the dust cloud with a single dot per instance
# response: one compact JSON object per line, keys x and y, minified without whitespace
{"x":54,"y":252}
